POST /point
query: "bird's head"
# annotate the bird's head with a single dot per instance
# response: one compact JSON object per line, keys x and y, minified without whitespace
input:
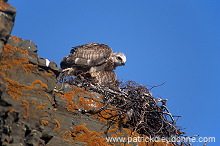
{"x":119,"y":59}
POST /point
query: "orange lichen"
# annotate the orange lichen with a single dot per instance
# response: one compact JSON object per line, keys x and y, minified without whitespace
{"x":57,"y":124}
{"x":41,"y":106}
{"x":7,"y":62}
{"x":15,"y":61}
{"x":128,"y":131}
{"x":89,"y":103}
{"x":71,"y":105}
{"x":3,"y":5}
{"x":78,"y":90}
{"x":97,"y":102}
{"x":29,"y":68}
{"x":2,"y":73}
{"x":69,"y":95}
{"x":39,"y":84}
{"x":53,"y":103}
{"x":67,"y":136}
{"x":5,"y":67}
{"x":14,"y":88}
{"x":82,"y":103}
{"x":80,"y":94}
{"x":82,"y":134}
{"x":49,"y":73}
{"x":34,"y":102}
{"x":45,"y":115}
{"x":60,"y":96}
{"x":23,"y":51}
{"x":44,"y":122}
{"x":11,"y":110}
{"x":26,"y":107}
{"x":106,"y":114}
{"x":8,"y":50}
{"x":48,"y":96}
{"x":39,"y":92}
{"x":15,"y":39}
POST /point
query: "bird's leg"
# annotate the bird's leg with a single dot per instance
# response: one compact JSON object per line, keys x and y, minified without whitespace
{"x":65,"y":73}
{"x":92,"y":71}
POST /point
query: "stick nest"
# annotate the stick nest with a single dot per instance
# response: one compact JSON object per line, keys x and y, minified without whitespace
{"x":135,"y":108}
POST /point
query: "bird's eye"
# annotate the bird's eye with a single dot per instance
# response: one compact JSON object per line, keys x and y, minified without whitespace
{"x":119,"y":58}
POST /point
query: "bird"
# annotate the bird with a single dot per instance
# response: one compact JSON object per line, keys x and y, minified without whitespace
{"x":105,"y":78}
{"x":96,"y":59}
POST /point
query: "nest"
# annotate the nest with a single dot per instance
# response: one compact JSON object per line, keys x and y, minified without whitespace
{"x":136,"y":108}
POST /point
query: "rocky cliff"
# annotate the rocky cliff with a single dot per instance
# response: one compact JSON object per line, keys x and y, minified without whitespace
{"x":36,"y":110}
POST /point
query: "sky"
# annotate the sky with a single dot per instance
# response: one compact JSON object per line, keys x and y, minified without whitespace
{"x":171,"y":41}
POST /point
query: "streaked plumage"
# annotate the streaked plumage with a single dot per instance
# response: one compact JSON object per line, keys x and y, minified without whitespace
{"x":96,"y":59}
{"x":105,"y":78}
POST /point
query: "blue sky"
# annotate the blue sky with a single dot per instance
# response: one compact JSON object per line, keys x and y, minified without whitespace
{"x":171,"y":41}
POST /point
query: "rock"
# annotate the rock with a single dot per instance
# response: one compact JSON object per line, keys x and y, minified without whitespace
{"x":4,"y":0}
{"x":29,"y":50}
{"x":30,"y":46}
{"x":25,"y":44}
{"x":42,"y":61}
{"x":1,"y":46}
{"x":7,"y":17}
{"x":55,"y":68}
{"x":3,"y":84}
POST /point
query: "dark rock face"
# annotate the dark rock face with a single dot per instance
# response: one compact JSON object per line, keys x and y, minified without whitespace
{"x":7,"y":17}
{"x":26,"y":83}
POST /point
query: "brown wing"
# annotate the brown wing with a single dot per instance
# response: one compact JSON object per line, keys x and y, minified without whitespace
{"x":92,"y":54}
